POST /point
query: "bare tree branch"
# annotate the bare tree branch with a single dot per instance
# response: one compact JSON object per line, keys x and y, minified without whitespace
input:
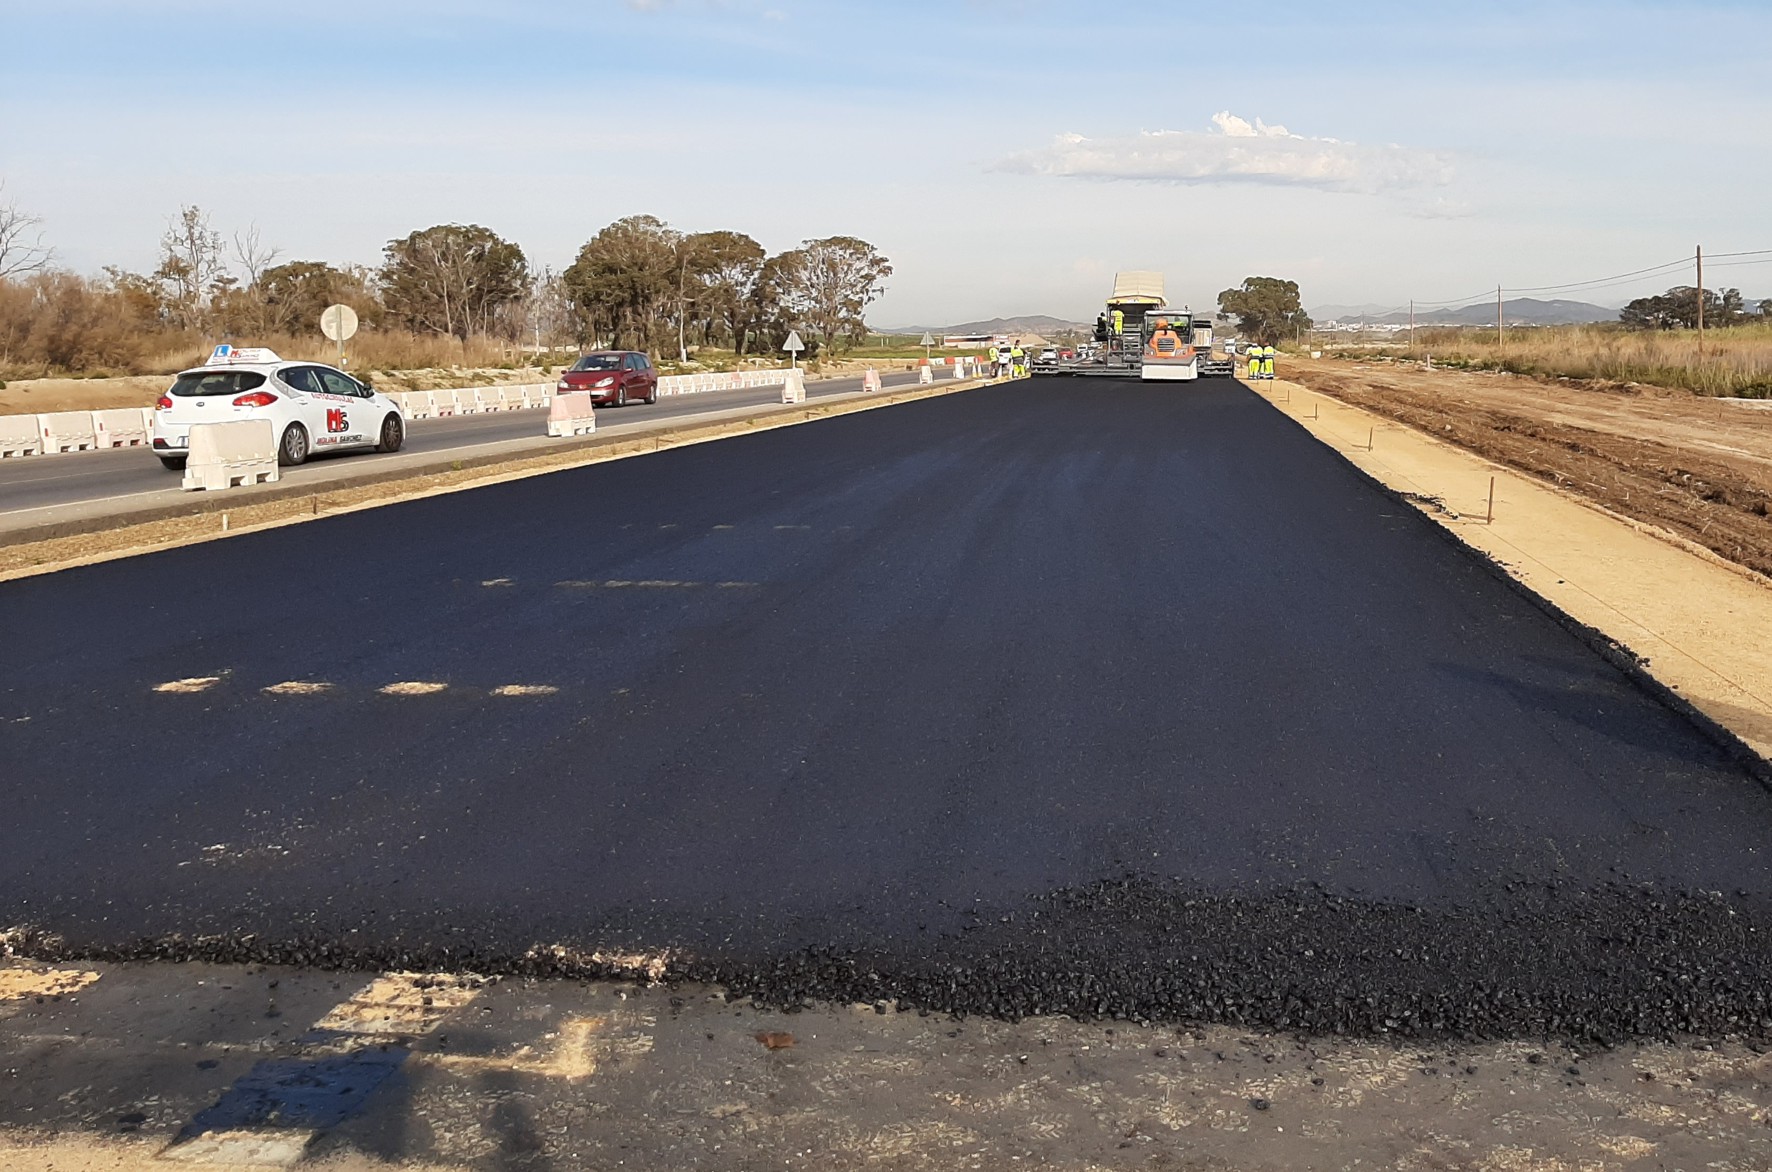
{"x":21,"y":244}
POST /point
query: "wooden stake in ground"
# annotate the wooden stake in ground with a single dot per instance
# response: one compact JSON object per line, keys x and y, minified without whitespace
{"x":1498,"y":317}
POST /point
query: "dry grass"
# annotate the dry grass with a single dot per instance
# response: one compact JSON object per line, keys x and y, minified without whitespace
{"x":1737,"y":361}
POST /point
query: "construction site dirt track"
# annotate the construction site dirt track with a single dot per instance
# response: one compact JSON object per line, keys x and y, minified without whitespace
{"x":1119,"y":701}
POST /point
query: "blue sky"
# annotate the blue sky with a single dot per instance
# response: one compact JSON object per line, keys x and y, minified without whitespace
{"x":1008,"y":156}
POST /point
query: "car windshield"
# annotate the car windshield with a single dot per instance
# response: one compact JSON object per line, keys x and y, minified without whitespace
{"x":598,"y":362}
{"x":216,"y":382}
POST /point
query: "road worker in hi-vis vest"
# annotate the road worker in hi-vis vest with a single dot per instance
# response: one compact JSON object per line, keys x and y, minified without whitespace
{"x":1267,"y":362}
{"x":1018,"y":361}
{"x":1119,"y":322}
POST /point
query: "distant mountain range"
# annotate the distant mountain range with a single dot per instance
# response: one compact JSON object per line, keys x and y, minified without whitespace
{"x":1520,"y":311}
{"x":1040,"y":323}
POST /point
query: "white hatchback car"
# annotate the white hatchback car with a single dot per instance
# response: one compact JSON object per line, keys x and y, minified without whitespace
{"x":312,"y":407}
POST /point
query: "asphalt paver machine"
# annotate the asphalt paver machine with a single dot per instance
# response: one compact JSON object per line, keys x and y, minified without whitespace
{"x":1140,"y":336}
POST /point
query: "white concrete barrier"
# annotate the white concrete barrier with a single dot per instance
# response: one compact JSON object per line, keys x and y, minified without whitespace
{"x":871,"y":380}
{"x":793,"y":388}
{"x":121,"y":428}
{"x":926,"y":375}
{"x":957,"y":371}
{"x":20,"y":435}
{"x":418,"y":405}
{"x":68,"y":431}
{"x":570,"y":415}
{"x":240,"y":451}
{"x":148,"y":422}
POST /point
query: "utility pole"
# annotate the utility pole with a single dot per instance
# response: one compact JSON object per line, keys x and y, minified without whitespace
{"x":1412,"y":323}
{"x":1701,"y":303}
{"x":1498,"y":320}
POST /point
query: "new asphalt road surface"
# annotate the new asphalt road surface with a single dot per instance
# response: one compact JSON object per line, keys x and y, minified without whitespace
{"x":1105,"y":699}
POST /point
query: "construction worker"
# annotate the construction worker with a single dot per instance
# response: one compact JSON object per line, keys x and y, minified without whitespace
{"x":1119,"y":322}
{"x":1267,"y":362}
{"x":1018,"y":361}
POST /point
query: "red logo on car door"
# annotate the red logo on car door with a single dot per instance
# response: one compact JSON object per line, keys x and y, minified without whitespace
{"x":335,"y":419}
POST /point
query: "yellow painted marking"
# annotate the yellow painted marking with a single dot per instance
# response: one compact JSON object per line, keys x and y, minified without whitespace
{"x":17,"y":984}
{"x":573,"y":1055}
{"x":414,"y":688}
{"x":299,"y":688}
{"x":401,"y":1005}
{"x":498,"y":582}
{"x":194,"y":684}
{"x":525,"y":690}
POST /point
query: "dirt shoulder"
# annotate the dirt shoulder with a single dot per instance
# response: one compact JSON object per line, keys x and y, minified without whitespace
{"x":1699,"y":467}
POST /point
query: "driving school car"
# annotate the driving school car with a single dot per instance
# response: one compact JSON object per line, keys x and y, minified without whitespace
{"x":312,"y":407}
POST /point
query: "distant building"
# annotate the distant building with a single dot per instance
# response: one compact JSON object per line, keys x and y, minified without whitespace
{"x":973,"y":341}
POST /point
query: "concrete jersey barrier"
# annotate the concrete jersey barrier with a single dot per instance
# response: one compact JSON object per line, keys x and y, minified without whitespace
{"x":20,"y":435}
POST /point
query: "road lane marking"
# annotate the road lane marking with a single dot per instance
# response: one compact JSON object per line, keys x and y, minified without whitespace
{"x":271,"y":1114}
{"x":413,"y":688}
{"x":299,"y":688}
{"x":572,"y":1056}
{"x":20,"y":984}
{"x":187,"y":686}
{"x":498,"y":582}
{"x":525,"y":690}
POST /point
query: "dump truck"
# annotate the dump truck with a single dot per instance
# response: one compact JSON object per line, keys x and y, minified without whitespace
{"x":1139,"y":335}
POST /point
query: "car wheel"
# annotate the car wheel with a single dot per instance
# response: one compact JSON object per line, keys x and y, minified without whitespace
{"x":621,"y":396}
{"x":652,"y":399}
{"x":173,"y":463}
{"x":393,"y":434}
{"x":294,"y":447}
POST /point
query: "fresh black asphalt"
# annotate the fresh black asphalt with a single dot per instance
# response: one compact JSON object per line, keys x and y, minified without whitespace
{"x":1101,"y":699}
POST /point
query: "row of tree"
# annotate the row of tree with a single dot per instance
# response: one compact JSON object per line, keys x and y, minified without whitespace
{"x":637,"y":284}
{"x":1677,"y":309}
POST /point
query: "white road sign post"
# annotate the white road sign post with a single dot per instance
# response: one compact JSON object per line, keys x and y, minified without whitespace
{"x":338,"y":323}
{"x":793,"y":346}
{"x":928,"y":341}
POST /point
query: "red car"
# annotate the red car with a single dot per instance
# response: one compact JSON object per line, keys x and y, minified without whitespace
{"x":616,"y":377}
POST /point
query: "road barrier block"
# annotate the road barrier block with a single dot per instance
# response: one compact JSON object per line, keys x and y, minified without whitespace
{"x":871,"y":380}
{"x":148,"y":422}
{"x":511,"y":398}
{"x":957,"y":372}
{"x":120,"y":428}
{"x":417,"y":405}
{"x":68,"y":431}
{"x":20,"y":435}
{"x":241,"y":451}
{"x":925,"y":376}
{"x":570,"y":415}
{"x":793,"y":388}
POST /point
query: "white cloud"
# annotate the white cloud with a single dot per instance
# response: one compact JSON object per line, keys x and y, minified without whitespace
{"x":1235,"y":151}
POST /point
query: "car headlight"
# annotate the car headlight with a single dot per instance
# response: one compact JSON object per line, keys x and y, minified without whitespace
{"x":605,"y":382}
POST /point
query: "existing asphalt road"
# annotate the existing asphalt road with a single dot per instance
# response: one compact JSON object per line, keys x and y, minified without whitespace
{"x":36,"y":490}
{"x":1106,"y":699}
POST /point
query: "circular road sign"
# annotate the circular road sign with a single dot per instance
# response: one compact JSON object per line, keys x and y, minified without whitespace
{"x":338,"y":322}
